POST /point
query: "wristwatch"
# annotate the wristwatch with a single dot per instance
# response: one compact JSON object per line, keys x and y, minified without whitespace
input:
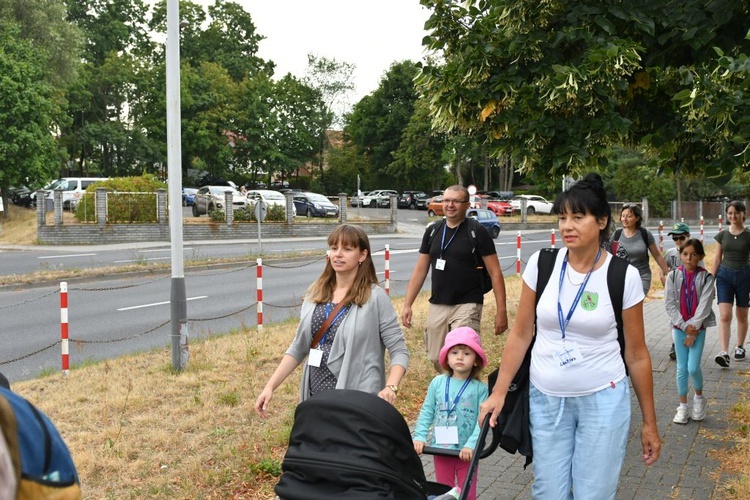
{"x":394,"y":388}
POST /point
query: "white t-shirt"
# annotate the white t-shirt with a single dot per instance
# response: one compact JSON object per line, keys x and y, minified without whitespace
{"x":592,"y":329}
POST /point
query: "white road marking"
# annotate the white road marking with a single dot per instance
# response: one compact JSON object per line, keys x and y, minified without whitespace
{"x":66,"y":256}
{"x":161,"y":250}
{"x":158,"y":303}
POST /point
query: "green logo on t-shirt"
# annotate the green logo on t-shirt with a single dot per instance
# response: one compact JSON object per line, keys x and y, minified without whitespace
{"x":589,"y":300}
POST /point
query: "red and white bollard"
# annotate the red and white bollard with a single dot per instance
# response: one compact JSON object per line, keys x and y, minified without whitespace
{"x":701,"y":229}
{"x":552,"y":238}
{"x":388,"y":269}
{"x":259,"y":281}
{"x":661,"y":237}
{"x":64,"y":327}
{"x":719,"y":222}
{"x":518,"y":253}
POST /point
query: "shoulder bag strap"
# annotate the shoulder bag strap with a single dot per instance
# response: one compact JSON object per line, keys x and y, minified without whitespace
{"x":326,"y":324}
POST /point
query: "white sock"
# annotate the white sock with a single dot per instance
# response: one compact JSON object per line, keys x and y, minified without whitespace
{"x":683,"y":405}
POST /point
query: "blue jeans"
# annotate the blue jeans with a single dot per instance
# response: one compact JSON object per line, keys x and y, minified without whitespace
{"x":579,"y":442}
{"x":731,"y":283}
{"x":688,"y":360}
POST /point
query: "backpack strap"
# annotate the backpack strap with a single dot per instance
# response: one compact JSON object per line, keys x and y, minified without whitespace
{"x":545,"y":265}
{"x":616,"y":272}
{"x":644,"y":235}
{"x":433,"y":230}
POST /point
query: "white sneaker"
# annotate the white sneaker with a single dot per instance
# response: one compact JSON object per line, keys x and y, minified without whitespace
{"x":681,"y":417}
{"x":699,"y":408}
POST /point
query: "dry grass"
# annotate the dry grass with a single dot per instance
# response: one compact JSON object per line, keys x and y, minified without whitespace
{"x":18,"y":226}
{"x":137,"y":429}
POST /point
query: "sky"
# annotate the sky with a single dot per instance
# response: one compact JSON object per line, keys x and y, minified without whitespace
{"x":371,"y":34}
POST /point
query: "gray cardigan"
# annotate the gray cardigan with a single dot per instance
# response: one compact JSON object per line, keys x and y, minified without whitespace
{"x":357,"y":357}
{"x":704,"y":314}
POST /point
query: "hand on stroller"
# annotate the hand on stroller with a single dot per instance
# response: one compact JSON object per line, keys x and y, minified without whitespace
{"x":466,"y":454}
{"x":492,"y":405}
{"x":419,"y":447}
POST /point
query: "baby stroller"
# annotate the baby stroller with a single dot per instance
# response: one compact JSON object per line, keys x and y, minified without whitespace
{"x":351,"y":444}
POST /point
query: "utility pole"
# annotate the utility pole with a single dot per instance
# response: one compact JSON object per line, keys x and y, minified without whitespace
{"x":178,"y":300}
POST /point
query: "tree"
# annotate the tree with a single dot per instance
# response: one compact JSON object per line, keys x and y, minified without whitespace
{"x":418,"y":162}
{"x":378,"y":121}
{"x":56,"y":41}
{"x":555,"y":83}
{"x":29,"y":111}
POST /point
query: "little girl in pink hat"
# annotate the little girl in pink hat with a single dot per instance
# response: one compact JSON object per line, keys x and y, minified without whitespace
{"x":451,"y":407}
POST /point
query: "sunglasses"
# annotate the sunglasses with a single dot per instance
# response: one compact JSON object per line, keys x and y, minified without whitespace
{"x":679,"y":238}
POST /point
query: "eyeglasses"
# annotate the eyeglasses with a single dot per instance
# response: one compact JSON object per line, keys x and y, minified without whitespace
{"x":454,"y":202}
{"x":679,"y":238}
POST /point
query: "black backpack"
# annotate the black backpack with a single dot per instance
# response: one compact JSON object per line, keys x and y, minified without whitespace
{"x":473,"y":227}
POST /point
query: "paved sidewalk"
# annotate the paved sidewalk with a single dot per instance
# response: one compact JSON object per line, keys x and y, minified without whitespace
{"x":685,"y":469}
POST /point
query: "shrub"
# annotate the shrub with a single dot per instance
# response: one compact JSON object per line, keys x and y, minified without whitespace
{"x":129,"y":199}
{"x":217,"y":215}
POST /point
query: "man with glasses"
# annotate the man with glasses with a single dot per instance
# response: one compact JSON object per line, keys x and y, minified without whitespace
{"x":457,"y":295}
{"x":680,"y":233}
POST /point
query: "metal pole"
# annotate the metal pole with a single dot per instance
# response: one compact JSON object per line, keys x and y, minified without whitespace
{"x":174,"y":168}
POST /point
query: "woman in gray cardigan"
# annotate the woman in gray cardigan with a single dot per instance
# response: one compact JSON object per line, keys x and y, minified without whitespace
{"x":350,"y":352}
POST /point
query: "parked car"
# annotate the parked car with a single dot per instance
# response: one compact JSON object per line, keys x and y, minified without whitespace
{"x":188,"y":195}
{"x":408,"y":199}
{"x":270,"y":197}
{"x":314,"y":205}
{"x":209,"y":198}
{"x":487,"y":218}
{"x":72,"y":188}
{"x":498,"y":195}
{"x":500,"y":207}
{"x":378,"y":198}
{"x":435,"y":206}
{"x":534,"y":204}
{"x":22,"y":196}
{"x":354,"y":200}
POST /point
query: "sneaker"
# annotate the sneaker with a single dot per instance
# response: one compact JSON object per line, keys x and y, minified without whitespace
{"x":722,"y":359}
{"x":681,"y":417}
{"x":672,"y":354}
{"x":739,"y":353}
{"x":699,"y":408}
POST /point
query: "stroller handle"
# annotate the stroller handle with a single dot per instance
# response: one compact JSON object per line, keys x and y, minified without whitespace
{"x":484,"y":452}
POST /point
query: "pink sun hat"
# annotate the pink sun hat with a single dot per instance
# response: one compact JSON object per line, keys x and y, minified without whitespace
{"x":463,"y":335}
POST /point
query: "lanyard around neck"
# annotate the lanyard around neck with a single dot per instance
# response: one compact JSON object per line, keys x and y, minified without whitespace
{"x":564,"y":320}
{"x":452,"y":407}
{"x":689,"y":291}
{"x":443,"y":244}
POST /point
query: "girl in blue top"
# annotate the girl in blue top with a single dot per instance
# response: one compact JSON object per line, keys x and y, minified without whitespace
{"x":451,"y":407}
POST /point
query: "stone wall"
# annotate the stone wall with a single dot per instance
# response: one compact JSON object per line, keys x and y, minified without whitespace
{"x":101,"y":232}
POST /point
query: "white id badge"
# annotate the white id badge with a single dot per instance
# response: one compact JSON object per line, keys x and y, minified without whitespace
{"x":315,"y":357}
{"x":446,"y":435}
{"x":569,"y":354}
{"x":440,"y":264}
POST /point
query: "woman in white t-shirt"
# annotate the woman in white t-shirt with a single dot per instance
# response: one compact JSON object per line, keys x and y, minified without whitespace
{"x":579,"y":397}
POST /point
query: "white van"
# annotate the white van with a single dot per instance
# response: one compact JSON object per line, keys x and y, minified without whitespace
{"x":72,"y":189}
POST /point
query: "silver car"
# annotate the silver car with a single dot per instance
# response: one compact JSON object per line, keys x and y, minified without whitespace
{"x":210,"y":198}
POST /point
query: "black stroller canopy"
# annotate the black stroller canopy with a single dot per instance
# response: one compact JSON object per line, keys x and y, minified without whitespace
{"x":350,"y":444}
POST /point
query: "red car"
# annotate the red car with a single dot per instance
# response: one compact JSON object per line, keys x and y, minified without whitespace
{"x":500,"y":207}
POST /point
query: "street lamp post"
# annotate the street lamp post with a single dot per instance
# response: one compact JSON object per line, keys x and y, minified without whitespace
{"x":178,"y":299}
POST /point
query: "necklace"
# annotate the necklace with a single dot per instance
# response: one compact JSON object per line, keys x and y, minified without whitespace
{"x":567,"y":274}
